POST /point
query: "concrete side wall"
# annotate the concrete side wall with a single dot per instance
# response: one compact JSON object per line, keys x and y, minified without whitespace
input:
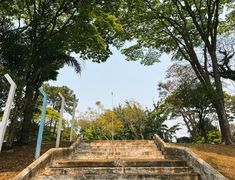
{"x":206,"y":171}
{"x":46,"y":159}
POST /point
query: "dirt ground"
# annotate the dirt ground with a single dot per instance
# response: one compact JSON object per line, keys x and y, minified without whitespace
{"x":221,"y":157}
{"x":15,"y":160}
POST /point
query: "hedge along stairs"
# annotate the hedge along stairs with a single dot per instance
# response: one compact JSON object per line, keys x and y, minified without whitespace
{"x":118,"y":159}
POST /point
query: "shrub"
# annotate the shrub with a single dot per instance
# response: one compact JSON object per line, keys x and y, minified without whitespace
{"x":214,"y":137}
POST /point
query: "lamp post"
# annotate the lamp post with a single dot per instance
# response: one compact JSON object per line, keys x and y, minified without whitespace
{"x":112,"y":119}
{"x":72,"y":121}
{"x":42,"y":121}
{"x":7,"y":109}
{"x":60,"y":121}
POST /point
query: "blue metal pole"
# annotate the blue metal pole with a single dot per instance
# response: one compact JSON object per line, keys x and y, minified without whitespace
{"x":41,"y":126}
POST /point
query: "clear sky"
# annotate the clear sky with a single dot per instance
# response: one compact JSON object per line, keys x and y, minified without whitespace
{"x":127,"y":80}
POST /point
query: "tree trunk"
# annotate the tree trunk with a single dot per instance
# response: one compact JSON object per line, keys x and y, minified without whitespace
{"x":202,"y":127}
{"x":218,"y":101}
{"x":223,"y":122}
{"x":54,"y":128}
{"x":27,"y":115}
{"x":51,"y":120}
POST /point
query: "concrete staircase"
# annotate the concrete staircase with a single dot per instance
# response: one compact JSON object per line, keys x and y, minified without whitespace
{"x":119,"y":159}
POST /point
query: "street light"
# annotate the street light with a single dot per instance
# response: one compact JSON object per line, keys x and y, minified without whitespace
{"x":73,"y":116}
{"x":60,"y":120}
{"x":7,"y":109}
{"x":112,"y":120}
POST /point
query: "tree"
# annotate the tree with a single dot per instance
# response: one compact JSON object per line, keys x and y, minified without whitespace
{"x":185,"y":97}
{"x":130,"y":121}
{"x":133,"y":118}
{"x":51,"y":118}
{"x":155,"y":124}
{"x":55,"y":101}
{"x":39,"y":37}
{"x":193,"y":105}
{"x":100,"y":127}
{"x":186,"y":29}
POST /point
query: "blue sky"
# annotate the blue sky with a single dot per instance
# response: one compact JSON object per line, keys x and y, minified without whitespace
{"x":127,"y":80}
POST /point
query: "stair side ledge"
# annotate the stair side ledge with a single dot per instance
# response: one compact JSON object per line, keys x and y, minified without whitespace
{"x":205,"y":170}
{"x":46,"y":159}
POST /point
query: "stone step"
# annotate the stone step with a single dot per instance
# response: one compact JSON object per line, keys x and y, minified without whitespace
{"x":116,"y":170}
{"x":116,"y":157}
{"x":173,"y":176}
{"x":117,"y":145}
{"x":120,"y":153}
{"x":85,"y":147}
{"x":137,"y":156}
{"x":119,"y":163}
{"x":82,"y":146}
{"x":126,"y":143}
{"x":121,"y":141}
{"x":92,"y":151}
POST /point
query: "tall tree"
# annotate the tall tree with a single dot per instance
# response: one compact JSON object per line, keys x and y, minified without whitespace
{"x":185,"y":97}
{"x":186,"y":29}
{"x":45,"y":33}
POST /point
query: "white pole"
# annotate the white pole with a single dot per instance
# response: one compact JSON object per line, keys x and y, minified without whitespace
{"x":60,"y":121}
{"x":7,"y":109}
{"x":72,"y":121}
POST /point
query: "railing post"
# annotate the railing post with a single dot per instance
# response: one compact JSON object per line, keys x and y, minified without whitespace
{"x":7,"y":109}
{"x":60,"y":121}
{"x":41,"y":126}
{"x":72,"y":121}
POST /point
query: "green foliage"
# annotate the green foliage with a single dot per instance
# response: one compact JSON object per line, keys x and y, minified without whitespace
{"x":65,"y":134}
{"x":48,"y":136}
{"x":51,"y":113}
{"x":55,"y":101}
{"x":156,"y":123}
{"x":214,"y":137}
{"x":101,"y":127}
{"x":37,"y":38}
{"x":184,"y":139}
{"x":187,"y":30}
{"x":133,"y":118}
{"x":186,"y":97}
{"x":131,"y":121}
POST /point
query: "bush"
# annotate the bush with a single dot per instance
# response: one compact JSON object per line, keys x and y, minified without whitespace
{"x":214,"y":137}
{"x":200,"y":140}
{"x":184,"y":140}
{"x":48,"y":136}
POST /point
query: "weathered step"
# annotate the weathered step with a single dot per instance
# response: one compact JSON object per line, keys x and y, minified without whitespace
{"x":122,"y":176}
{"x":120,"y":153}
{"x":125,"y":143}
{"x":119,"y":163}
{"x":121,"y":147}
{"x":116,"y":157}
{"x":136,"y":151}
{"x":121,"y":141}
{"x":116,"y":170}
